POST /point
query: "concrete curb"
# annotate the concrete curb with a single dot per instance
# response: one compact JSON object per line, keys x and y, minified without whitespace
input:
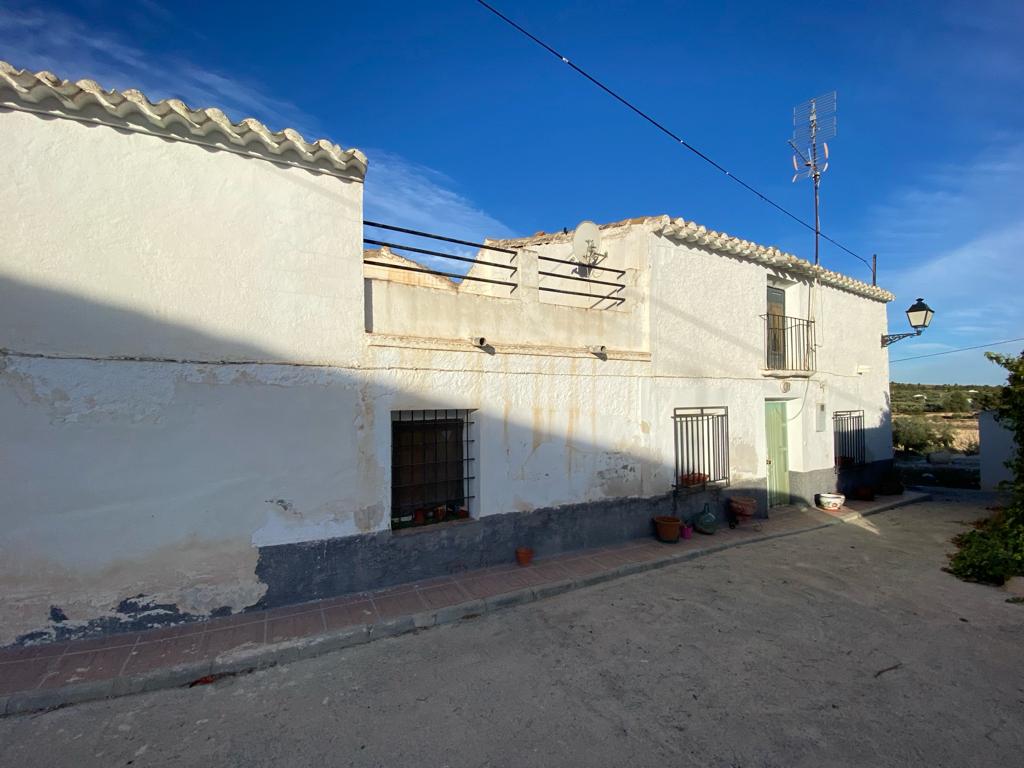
{"x":241,"y":660}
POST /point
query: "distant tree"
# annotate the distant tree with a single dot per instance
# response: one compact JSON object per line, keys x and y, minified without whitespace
{"x":912,"y":433}
{"x":986,"y":400}
{"x":956,"y":401}
{"x":942,"y":436}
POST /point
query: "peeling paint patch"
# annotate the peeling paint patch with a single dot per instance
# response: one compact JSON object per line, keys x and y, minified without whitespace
{"x":189,"y":579}
{"x":286,"y":506}
{"x":133,"y":614}
{"x":369,"y":519}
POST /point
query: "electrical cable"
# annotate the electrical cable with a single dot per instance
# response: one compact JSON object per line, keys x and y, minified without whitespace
{"x":678,"y":139}
{"x":961,"y":349}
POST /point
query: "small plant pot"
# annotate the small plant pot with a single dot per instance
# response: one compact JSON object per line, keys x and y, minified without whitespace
{"x":743,"y":506}
{"x":667,"y":528}
{"x":419,"y":517}
{"x":687,"y":531}
{"x":440,"y":513}
{"x":693,"y":479}
{"x":463,"y":513}
{"x":524,"y":556}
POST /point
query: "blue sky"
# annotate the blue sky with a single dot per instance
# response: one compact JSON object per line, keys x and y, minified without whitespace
{"x":473,"y":131}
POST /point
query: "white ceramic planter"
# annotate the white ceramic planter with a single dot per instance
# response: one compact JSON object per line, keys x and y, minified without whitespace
{"x":830,"y":502}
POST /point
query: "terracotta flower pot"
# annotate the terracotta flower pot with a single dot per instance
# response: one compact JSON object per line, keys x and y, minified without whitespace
{"x":743,"y":506}
{"x":668,"y":528}
{"x":440,"y":513}
{"x":693,"y":479}
{"x":463,"y":513}
{"x":524,"y":555}
{"x":419,"y":517}
{"x":864,"y":493}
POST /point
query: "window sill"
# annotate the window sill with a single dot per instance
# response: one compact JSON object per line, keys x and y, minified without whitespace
{"x":782,"y":374}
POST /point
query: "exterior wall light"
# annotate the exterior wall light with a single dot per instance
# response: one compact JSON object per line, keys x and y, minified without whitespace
{"x":599,"y":350}
{"x":920,"y":316}
{"x":479,"y":341}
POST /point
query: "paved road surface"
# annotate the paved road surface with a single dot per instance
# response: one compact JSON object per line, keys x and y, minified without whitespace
{"x":846,"y":646}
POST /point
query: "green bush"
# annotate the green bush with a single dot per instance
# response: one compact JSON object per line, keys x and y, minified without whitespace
{"x":912,"y":433}
{"x":915,"y":433}
{"x":994,"y":551}
{"x":956,"y":402}
{"x":991,"y":553}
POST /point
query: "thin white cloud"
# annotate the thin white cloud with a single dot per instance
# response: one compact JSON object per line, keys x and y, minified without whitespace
{"x":417,"y":197}
{"x":397,"y":191}
{"x":959,"y":233}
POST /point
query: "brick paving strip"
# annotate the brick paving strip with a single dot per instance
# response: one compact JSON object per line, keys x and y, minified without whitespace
{"x":56,"y":674}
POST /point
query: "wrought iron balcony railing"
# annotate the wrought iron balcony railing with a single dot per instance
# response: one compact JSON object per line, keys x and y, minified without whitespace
{"x":788,"y":343}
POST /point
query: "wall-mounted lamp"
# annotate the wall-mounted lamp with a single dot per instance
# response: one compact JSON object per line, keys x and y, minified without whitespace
{"x":479,"y":341}
{"x":599,"y":350}
{"x":920,"y":316}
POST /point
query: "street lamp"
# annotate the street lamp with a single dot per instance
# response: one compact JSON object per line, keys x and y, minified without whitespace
{"x":920,"y":316}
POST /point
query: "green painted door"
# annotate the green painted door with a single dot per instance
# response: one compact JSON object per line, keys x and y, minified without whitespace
{"x":778,"y":453}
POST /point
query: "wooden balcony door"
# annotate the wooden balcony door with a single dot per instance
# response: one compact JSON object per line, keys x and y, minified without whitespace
{"x":776,"y":328}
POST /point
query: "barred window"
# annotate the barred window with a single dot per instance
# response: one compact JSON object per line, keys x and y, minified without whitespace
{"x":432,"y":459}
{"x":848,"y":436}
{"x":702,"y":446}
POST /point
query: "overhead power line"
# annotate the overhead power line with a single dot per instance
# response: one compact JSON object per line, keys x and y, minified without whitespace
{"x":668,"y":132}
{"x":961,"y":349}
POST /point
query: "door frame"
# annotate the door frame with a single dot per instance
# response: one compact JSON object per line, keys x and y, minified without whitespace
{"x":780,"y":495}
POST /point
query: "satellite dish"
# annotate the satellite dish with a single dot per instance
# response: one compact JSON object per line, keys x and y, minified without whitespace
{"x":585,"y":241}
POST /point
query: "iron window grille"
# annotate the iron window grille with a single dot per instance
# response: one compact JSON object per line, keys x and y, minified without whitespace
{"x":432,"y":461}
{"x":788,"y":343}
{"x":848,"y":436}
{"x":702,"y":447}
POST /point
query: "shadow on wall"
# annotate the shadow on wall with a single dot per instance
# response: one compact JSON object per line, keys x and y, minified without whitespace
{"x":142,"y":491}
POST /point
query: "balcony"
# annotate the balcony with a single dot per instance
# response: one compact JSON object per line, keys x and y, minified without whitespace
{"x":788,"y":344}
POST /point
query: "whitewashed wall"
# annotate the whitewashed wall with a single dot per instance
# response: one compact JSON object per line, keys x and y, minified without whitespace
{"x":996,"y":447}
{"x":164,"y":473}
{"x":152,"y":475}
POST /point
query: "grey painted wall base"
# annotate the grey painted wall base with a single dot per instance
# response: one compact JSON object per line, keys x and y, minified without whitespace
{"x":314,"y":570}
{"x":803,"y":486}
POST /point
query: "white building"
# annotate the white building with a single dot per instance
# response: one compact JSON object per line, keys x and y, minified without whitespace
{"x":210,"y":403}
{"x":996,"y":447}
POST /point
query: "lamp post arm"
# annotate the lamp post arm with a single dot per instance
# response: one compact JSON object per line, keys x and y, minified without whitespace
{"x":894,"y":337}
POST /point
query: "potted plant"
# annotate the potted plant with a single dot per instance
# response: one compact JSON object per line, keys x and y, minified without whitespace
{"x":864,"y":493}
{"x":419,"y":517}
{"x":693,"y":479}
{"x":668,"y":528}
{"x":524,"y":555}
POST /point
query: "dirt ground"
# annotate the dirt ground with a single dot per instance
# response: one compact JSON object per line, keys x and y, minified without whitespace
{"x":846,"y":646}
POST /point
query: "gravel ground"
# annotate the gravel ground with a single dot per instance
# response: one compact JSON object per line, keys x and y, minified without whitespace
{"x":844,"y":646}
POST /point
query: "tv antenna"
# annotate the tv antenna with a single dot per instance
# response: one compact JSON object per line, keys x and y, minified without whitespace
{"x":814,"y":122}
{"x":585,"y":242}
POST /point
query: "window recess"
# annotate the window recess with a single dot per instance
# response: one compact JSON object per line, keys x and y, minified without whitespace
{"x":701,"y":447}
{"x":848,"y":437}
{"x":432,"y":466}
